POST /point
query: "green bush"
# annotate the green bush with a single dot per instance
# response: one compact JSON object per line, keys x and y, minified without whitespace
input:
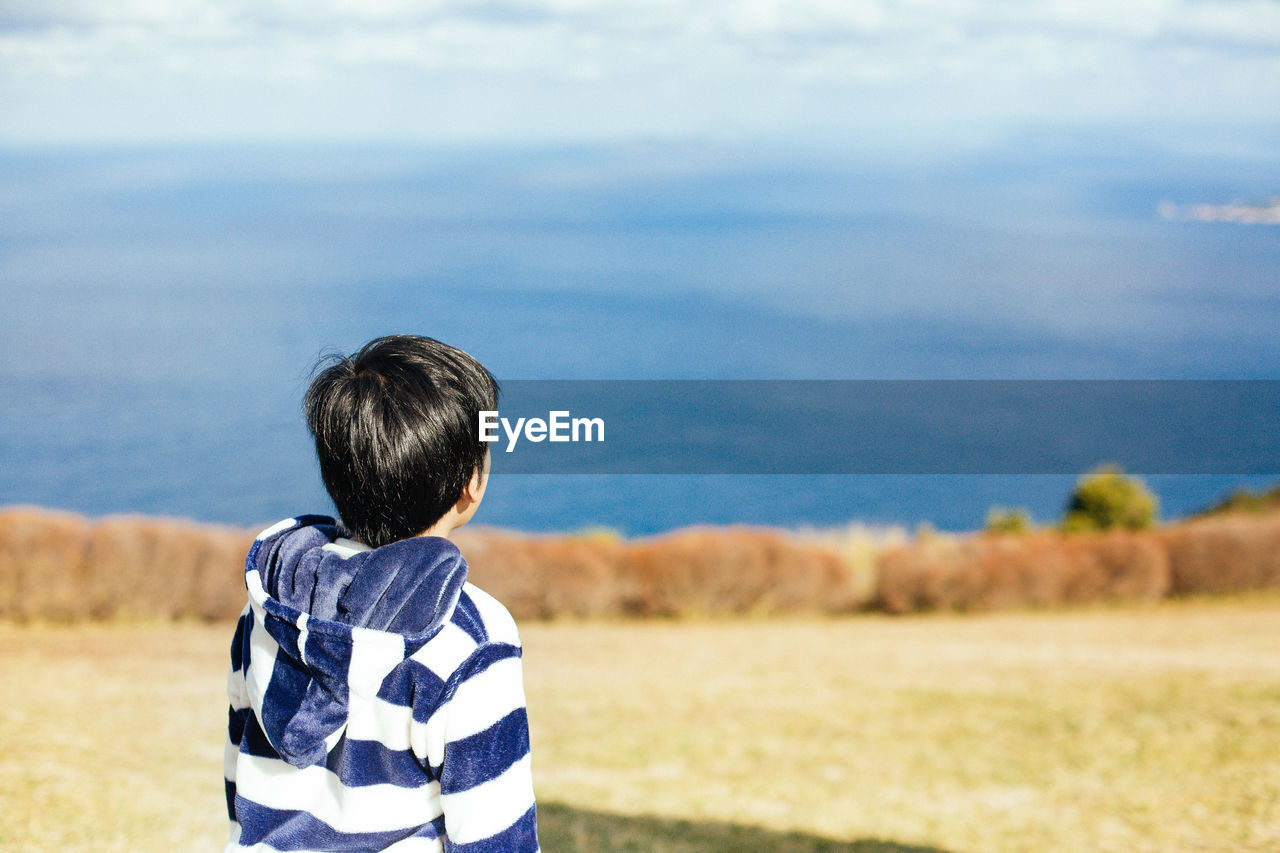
{"x":1001,"y":520}
{"x":1106,"y":498}
{"x":1245,"y":500}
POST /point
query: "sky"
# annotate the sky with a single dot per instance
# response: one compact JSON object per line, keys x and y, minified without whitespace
{"x":85,"y":71}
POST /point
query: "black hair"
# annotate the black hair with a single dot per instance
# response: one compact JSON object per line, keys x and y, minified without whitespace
{"x":397,"y":432}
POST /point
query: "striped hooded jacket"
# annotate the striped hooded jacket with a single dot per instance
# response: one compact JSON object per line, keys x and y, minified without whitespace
{"x":376,"y":702}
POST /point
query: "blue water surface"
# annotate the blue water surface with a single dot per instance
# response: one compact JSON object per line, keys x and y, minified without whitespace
{"x":163,"y":306}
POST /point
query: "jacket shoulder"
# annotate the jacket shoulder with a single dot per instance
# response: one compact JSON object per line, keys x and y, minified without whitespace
{"x":489,"y":620}
{"x":479,"y":621}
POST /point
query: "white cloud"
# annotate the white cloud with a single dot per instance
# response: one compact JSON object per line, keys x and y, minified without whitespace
{"x":583,"y":68}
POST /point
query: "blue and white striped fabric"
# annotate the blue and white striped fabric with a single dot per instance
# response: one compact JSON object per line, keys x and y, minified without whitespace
{"x":376,"y":702}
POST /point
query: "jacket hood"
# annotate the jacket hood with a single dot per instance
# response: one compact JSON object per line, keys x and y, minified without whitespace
{"x":331,"y":618}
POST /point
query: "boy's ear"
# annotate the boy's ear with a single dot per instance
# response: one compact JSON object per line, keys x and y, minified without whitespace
{"x":474,"y":489}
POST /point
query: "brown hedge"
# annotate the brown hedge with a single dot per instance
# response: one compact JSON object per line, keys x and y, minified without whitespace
{"x":1035,"y":570}
{"x":65,"y":567}
{"x":732,"y":570}
{"x":1224,"y":553}
{"x":543,"y":577}
{"x":700,"y":571}
{"x":61,"y":566}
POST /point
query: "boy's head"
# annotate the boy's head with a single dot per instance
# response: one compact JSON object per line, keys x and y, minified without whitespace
{"x":397,"y":433}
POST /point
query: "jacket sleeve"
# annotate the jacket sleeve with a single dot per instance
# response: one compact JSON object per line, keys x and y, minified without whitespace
{"x":237,"y":711}
{"x":486,"y":784}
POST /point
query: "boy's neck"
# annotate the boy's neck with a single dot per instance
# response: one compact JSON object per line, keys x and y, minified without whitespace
{"x":440,"y":529}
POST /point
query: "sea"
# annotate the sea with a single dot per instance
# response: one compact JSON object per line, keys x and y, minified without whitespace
{"x":163,"y":306}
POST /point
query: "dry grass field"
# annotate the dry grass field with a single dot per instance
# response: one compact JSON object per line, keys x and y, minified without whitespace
{"x":1123,"y":729}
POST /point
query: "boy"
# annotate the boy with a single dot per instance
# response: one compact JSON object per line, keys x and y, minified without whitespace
{"x":376,"y":697}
